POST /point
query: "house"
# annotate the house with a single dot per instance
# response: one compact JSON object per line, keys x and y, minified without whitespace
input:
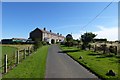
{"x":44,"y":35}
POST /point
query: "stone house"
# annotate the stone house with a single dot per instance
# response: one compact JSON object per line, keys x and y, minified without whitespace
{"x":47,"y":36}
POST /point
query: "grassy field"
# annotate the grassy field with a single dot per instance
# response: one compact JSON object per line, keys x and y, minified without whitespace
{"x":18,"y":46}
{"x":33,"y":67}
{"x":10,"y":50}
{"x":98,"y":63}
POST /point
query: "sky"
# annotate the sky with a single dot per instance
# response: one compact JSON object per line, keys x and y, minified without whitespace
{"x":20,"y":18}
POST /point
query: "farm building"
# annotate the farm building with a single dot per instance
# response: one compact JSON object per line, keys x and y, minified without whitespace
{"x":13,"y":40}
{"x":47,"y":36}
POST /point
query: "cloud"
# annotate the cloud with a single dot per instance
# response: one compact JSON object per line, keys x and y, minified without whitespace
{"x":76,"y":36}
{"x":110,"y":33}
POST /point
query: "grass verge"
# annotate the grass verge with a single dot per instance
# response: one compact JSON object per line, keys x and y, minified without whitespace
{"x":96,"y":62}
{"x":33,"y":67}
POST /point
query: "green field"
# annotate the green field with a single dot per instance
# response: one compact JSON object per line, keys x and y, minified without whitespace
{"x":8,"y":50}
{"x":11,"y":51}
{"x":95,"y":62}
{"x":33,"y":67}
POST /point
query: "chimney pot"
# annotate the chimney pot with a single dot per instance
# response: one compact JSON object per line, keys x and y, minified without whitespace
{"x":57,"y":33}
{"x":44,"y":29}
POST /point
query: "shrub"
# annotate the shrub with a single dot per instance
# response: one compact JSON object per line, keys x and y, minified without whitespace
{"x":62,"y":43}
{"x":113,"y":49}
{"x":37,"y":44}
{"x":83,"y":46}
{"x":44,"y":42}
{"x":104,"y":48}
{"x":75,"y":43}
{"x":69,"y":44}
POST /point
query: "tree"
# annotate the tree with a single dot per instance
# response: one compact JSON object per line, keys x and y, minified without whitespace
{"x":69,"y":40}
{"x":86,"y":38}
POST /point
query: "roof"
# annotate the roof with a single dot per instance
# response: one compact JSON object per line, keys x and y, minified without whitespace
{"x":48,"y":32}
{"x":19,"y":39}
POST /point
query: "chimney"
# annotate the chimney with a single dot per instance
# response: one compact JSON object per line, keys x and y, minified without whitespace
{"x":44,"y":29}
{"x":50,"y":30}
{"x":57,"y":33}
{"x":60,"y":34}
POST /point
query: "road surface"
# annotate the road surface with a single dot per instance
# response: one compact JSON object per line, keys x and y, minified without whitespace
{"x":60,"y":65}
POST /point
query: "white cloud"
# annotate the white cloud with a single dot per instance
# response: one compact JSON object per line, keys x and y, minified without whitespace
{"x":110,"y":33}
{"x":76,"y":36}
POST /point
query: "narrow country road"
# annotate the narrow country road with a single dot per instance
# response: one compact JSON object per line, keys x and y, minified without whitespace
{"x":60,"y":65}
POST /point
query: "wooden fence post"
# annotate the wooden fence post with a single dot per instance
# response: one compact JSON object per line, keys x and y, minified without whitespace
{"x":118,"y":50}
{"x":24,"y":53}
{"x":28,"y":50}
{"x":5,"y":63}
{"x":32,"y":49}
{"x":95,"y":48}
{"x":17,"y":57}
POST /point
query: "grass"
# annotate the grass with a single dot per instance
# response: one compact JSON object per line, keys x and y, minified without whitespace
{"x":8,"y":50}
{"x":95,"y":62}
{"x":18,"y":46}
{"x":33,"y":67}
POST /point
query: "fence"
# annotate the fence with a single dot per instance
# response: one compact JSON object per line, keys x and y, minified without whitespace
{"x":9,"y":62}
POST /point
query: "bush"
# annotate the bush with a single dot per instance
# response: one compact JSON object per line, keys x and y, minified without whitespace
{"x":37,"y":44}
{"x":75,"y":43}
{"x":83,"y":46}
{"x":104,"y":48}
{"x":89,"y":46}
{"x":113,"y":49}
{"x":69,"y":44}
{"x":44,"y":42}
{"x":57,"y":42}
{"x":62,"y":43}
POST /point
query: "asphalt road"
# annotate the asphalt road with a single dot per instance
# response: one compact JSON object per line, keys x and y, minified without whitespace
{"x":60,"y":65}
